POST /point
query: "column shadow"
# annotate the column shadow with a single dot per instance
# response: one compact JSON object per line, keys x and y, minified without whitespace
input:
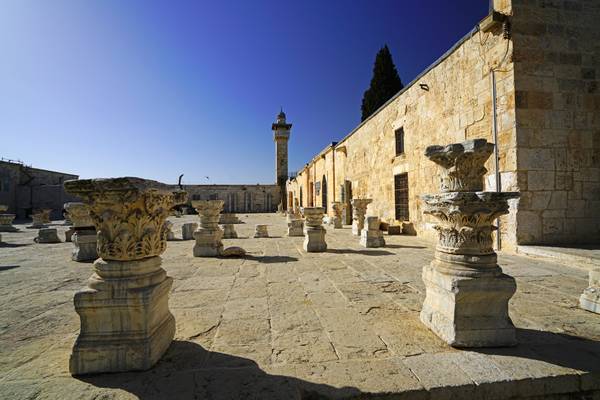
{"x":554,"y":348}
{"x":270,"y":259}
{"x":362,"y":252}
{"x":188,"y":371}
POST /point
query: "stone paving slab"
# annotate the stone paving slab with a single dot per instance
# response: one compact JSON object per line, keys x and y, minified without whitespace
{"x":284,"y":324}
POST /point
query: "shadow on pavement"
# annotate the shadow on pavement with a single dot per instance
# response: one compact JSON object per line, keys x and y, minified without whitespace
{"x":362,"y":252}
{"x":188,"y":371}
{"x":270,"y":259}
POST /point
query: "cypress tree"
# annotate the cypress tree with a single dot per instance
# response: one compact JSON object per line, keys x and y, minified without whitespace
{"x":384,"y":84}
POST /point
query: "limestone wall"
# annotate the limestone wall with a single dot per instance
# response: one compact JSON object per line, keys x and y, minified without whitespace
{"x":557,"y":73}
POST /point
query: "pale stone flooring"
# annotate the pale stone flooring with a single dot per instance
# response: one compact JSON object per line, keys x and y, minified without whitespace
{"x":283,"y":324}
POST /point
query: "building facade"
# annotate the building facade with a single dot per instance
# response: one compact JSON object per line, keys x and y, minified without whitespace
{"x":526,"y":78}
{"x":24,"y":188}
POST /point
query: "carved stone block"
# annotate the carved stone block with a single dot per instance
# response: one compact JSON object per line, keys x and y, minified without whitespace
{"x":314,"y":233}
{"x":261,"y":231}
{"x":84,"y":242}
{"x":371,"y":235}
{"x":295,"y":228}
{"x":47,"y":235}
{"x":209,"y":235}
{"x":187,"y":230}
{"x":359,"y":209}
{"x":6,"y":223}
{"x":590,"y":298}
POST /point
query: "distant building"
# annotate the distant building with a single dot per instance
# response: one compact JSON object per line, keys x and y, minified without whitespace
{"x":24,"y":188}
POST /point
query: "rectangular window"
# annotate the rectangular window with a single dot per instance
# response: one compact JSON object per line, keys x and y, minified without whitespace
{"x":401,"y":196}
{"x":399,"y":141}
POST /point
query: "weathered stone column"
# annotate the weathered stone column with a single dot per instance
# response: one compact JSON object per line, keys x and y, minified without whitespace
{"x":359,"y":209}
{"x":338,"y":209}
{"x":371,"y":235}
{"x":169,"y":230}
{"x":229,"y":231}
{"x":84,"y":235}
{"x":229,"y":218}
{"x":125,"y":319}
{"x":47,"y":235}
{"x":208,"y":236}
{"x":467,"y":294}
{"x":6,"y":220}
{"x":187,"y":230}
{"x":314,"y":233}
{"x":590,"y":298}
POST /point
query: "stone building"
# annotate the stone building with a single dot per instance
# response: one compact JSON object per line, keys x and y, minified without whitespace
{"x":253,"y":198}
{"x":24,"y":188}
{"x":527,"y":78}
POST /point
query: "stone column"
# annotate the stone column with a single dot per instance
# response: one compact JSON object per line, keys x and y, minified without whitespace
{"x":228,"y":218}
{"x":467,"y":294}
{"x":371,"y":235}
{"x":314,"y":233}
{"x":126,"y":324}
{"x":6,"y":220}
{"x":359,"y":209}
{"x":208,"y":236}
{"x":295,"y":228}
{"x":168,"y":229}
{"x":84,"y":235}
{"x":261,"y":231}
{"x":229,"y":231}
{"x":590,"y":298}
{"x":187,"y":230}
{"x":338,"y":209}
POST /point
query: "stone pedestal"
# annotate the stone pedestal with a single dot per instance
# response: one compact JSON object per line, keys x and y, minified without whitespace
{"x":371,"y":235}
{"x":229,"y":232}
{"x":208,"y":236}
{"x":338,"y":209}
{"x":295,"y":228}
{"x":47,"y":235}
{"x":466,"y":302}
{"x":229,"y":218}
{"x":314,"y":233}
{"x":187,"y":230}
{"x":261,"y":231}
{"x":84,"y":232}
{"x":169,"y":230}
{"x":590,"y":299}
{"x":126,"y":324}
{"x":6,"y":223}
{"x":359,"y":209}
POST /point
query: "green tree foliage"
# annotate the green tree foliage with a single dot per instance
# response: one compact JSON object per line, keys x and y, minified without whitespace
{"x":384,"y":84}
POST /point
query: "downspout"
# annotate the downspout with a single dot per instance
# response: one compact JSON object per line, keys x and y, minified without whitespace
{"x":496,"y":154}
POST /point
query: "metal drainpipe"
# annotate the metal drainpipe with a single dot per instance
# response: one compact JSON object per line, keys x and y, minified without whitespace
{"x":496,"y":154}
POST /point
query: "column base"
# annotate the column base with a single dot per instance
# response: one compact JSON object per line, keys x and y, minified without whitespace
{"x":208,"y":243}
{"x":125,"y":325}
{"x":371,"y":239}
{"x":356,"y":229}
{"x":85,"y":245}
{"x":469,"y":311}
{"x":314,"y":240}
{"x":47,"y":235}
{"x":590,"y":298}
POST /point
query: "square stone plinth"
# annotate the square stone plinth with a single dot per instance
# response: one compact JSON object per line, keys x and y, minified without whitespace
{"x":125,"y":325}
{"x":467,"y":311}
{"x":590,"y":298}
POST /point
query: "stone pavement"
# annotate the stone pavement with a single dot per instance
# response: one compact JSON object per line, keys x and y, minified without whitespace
{"x":285,"y":324}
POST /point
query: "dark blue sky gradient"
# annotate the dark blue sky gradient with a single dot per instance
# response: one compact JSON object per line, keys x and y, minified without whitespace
{"x":159,"y":88}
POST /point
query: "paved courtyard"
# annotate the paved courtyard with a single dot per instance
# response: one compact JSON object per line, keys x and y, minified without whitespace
{"x":283,"y":324}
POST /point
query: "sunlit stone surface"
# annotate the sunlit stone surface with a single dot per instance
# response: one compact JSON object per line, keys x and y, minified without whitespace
{"x":371,"y":235}
{"x":359,"y":209}
{"x":84,"y":232}
{"x":208,"y":236}
{"x":314,"y":233}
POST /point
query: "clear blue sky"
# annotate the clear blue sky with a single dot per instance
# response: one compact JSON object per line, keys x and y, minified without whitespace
{"x":156,"y":88}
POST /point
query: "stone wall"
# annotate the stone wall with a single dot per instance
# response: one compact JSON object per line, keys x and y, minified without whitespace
{"x":557,"y":73}
{"x":238,"y":198}
{"x":23,"y":188}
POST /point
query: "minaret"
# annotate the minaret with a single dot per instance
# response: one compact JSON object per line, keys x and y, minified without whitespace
{"x":281,"y":135}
